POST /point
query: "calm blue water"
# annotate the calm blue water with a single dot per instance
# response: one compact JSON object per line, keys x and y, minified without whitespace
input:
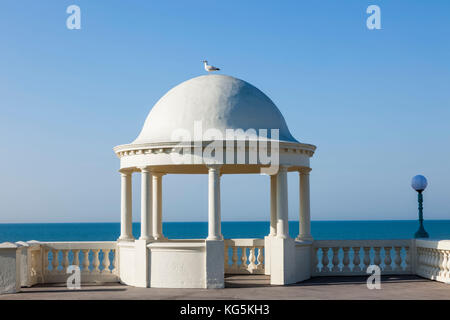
{"x":403,"y":229}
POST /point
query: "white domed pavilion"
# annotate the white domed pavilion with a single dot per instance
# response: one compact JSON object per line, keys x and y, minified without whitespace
{"x":215,"y":125}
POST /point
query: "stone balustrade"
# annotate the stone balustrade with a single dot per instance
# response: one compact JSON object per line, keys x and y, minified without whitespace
{"x":353,"y":257}
{"x":97,"y":261}
{"x":33,"y":262}
{"x":433,"y":259}
{"x":244,"y":256}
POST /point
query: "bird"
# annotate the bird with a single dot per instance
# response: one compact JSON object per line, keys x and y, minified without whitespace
{"x":208,"y":67}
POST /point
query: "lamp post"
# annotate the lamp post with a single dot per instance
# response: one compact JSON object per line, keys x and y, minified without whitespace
{"x":419,"y":183}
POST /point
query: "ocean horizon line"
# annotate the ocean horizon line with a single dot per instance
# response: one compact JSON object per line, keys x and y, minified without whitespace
{"x":240,"y":221}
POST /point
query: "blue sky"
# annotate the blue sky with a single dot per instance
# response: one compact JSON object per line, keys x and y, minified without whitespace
{"x":375,"y":102}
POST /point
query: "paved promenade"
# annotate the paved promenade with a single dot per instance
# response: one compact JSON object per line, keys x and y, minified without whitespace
{"x":255,"y":287}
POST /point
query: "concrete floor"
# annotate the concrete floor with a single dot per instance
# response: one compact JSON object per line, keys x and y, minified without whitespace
{"x":253,"y":287}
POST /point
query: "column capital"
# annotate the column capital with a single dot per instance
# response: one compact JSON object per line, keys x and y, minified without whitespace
{"x":144,"y":169}
{"x":304,"y":170}
{"x":214,"y":167}
{"x":126,"y":172}
{"x":283,"y":168}
{"x":157,"y":174}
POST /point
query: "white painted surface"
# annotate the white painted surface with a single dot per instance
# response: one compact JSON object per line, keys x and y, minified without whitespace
{"x":126,"y":207}
{"x":433,"y":259}
{"x":176,"y":264}
{"x":220,"y":102}
{"x":9,"y":268}
{"x":127,"y":262}
{"x":304,"y":212}
{"x":157,"y":205}
{"x":22,"y":254}
{"x":146,"y":205}
{"x":142,"y":273}
{"x":214,"y":203}
{"x":282,"y":204}
{"x":214,"y":264}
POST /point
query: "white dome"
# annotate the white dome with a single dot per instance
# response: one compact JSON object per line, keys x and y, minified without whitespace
{"x":218,"y":101}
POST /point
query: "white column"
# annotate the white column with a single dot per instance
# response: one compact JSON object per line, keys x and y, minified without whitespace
{"x":157,"y":206}
{"x":126,"y":226}
{"x":273,"y":206}
{"x":305,"y":216}
{"x":220,"y":208}
{"x":146,"y":205}
{"x":282,"y":204}
{"x":214,"y":228}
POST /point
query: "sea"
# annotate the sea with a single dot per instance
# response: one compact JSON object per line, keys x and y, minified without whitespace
{"x":321,"y":230}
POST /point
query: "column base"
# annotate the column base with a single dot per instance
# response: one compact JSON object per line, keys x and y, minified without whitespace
{"x":215,"y":238}
{"x":160,"y":238}
{"x":304,"y":238}
{"x":148,"y":238}
{"x":126,"y":238}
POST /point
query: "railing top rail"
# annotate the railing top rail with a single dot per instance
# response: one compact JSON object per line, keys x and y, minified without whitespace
{"x":362,"y":243}
{"x":245,"y":242}
{"x":82,"y":245}
{"x":433,"y":244}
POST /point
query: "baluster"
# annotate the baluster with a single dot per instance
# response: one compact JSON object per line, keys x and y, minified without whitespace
{"x":377,"y":258}
{"x":443,"y":264}
{"x":407,"y":259}
{"x":356,"y":259}
{"x":234,"y":258}
{"x":244,"y":264}
{"x":440,"y":270}
{"x":447,"y":274}
{"x":424,"y":261}
{"x":346,"y":260}
{"x":252,"y":259}
{"x":46,"y":260}
{"x":76,"y":259}
{"x":85,"y":260}
{"x":436,"y":262}
{"x":419,"y":260}
{"x":325,"y":260}
{"x":335,"y":259}
{"x":398,"y":259}
{"x":316,"y":259}
{"x":430,"y":262}
{"x":366,"y":259}
{"x":65,"y":260}
{"x":260,"y":259}
{"x":105,"y":261}
{"x":55,"y":260}
{"x":115,"y":261}
{"x":33,"y":269}
{"x":95,"y":260}
{"x":387,"y":259}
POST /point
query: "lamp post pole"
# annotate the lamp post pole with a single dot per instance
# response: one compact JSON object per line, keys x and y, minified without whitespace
{"x":419,"y":183}
{"x":421,"y":233}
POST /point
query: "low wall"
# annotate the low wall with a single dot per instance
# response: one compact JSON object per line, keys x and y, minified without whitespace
{"x":433,"y":259}
{"x":177,"y":264}
{"x":202,"y":263}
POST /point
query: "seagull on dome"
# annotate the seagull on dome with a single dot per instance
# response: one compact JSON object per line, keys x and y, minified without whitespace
{"x":208,"y":67}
